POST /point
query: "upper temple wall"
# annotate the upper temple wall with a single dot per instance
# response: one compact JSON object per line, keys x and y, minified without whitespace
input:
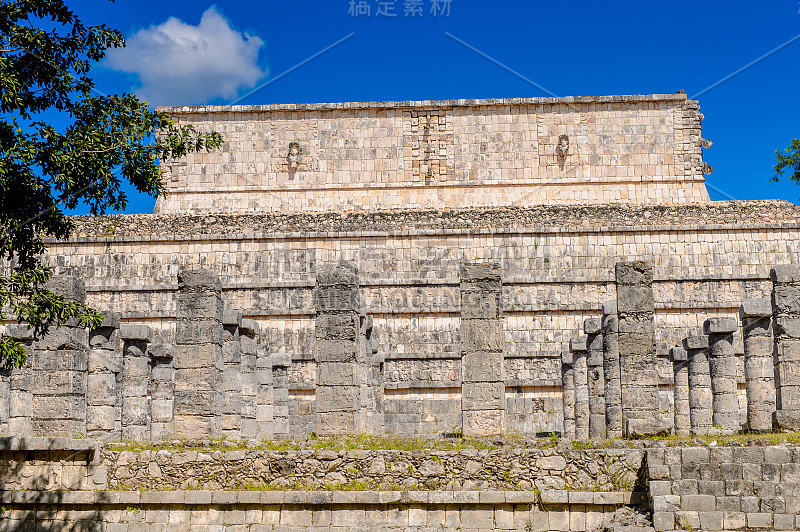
{"x":445,"y":154}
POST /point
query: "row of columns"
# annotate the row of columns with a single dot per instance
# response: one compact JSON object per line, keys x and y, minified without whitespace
{"x":610,"y":379}
{"x":705,"y":369}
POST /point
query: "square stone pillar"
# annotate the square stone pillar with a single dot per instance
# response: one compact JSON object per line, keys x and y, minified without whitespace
{"x":568,"y":394}
{"x":611,"y":370}
{"x":759,"y":366}
{"x":637,"y":350}
{"x":342,"y":366}
{"x":580,"y":355}
{"x":58,"y":371}
{"x":105,"y":364}
{"x":786,"y":324}
{"x":483,"y":392}
{"x":231,"y":375}
{"x":265,"y":395}
{"x":248,"y":331}
{"x":595,"y":378}
{"x":162,"y":391}
{"x":281,"y":364}
{"x":722,"y":365}
{"x":20,"y":395}
{"x":198,"y":355}
{"x":680,"y":390}
{"x":135,"y":382}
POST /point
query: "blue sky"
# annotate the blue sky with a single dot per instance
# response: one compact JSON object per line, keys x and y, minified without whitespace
{"x":575,"y":48}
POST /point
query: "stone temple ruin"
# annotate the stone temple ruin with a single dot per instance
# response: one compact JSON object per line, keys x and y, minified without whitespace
{"x":519,"y":267}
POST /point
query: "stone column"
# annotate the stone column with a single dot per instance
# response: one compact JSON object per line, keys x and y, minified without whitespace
{"x":375,"y":360}
{"x":596,"y":379}
{"x":611,"y":370}
{"x":580,"y":356}
{"x":265,"y":395}
{"x":786,"y":323}
{"x":231,"y":375}
{"x":680,"y":371}
{"x":248,"y":331}
{"x":58,"y":371}
{"x":342,"y":384}
{"x":281,"y":364}
{"x":135,"y":382}
{"x":637,"y":350}
{"x":759,"y":365}
{"x":5,"y":398}
{"x":162,"y":391}
{"x":198,"y":355}
{"x":483,"y":393}
{"x":700,"y":397}
{"x":568,"y":394}
{"x":20,"y":395}
{"x":102,"y":397}
{"x":722,"y":365}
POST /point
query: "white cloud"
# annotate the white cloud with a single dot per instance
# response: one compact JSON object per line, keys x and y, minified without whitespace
{"x":180,"y":64}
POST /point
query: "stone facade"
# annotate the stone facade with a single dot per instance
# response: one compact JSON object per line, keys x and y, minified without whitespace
{"x":454,"y":154}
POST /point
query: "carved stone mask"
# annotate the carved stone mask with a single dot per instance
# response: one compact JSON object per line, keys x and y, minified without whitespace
{"x":294,"y":154}
{"x":563,"y":146}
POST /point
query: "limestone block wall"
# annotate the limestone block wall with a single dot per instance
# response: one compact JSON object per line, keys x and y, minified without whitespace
{"x":724,"y":488}
{"x":454,"y":154}
{"x":557,"y":267}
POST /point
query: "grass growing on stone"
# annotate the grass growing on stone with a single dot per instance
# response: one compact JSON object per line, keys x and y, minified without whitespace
{"x":422,"y":443}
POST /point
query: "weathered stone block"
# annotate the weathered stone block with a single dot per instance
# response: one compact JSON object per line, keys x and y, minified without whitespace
{"x":633,"y":299}
{"x":756,"y":307}
{"x":696,"y":342}
{"x":336,"y":299}
{"x":678,"y":354}
{"x":577,"y":344}
{"x":232,"y":318}
{"x":338,"y":398}
{"x":483,"y":422}
{"x":482,"y":395}
{"x":336,"y":326}
{"x":481,"y":335}
{"x":337,"y":374}
{"x":198,"y":356}
{"x":337,"y":273}
{"x":191,"y":306}
{"x":69,"y":287}
{"x":198,"y":331}
{"x":336,"y":351}
{"x":482,"y":367}
{"x":721,"y":326}
{"x":198,"y":281}
{"x":249,"y":327}
{"x":161,"y":351}
{"x":481,"y":305}
{"x":197,"y":402}
{"x":136,"y":333}
{"x":591,"y":325}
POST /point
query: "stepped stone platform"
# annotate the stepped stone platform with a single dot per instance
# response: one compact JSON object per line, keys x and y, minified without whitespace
{"x":543,"y":271}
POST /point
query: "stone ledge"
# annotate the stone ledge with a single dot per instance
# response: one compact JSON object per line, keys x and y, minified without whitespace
{"x":581,"y":219}
{"x":31,"y":443}
{"x":471,"y":102}
{"x":317,"y":498}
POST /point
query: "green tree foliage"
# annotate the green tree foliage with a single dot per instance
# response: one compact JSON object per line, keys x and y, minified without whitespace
{"x":788,"y":159}
{"x":63,"y":143}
